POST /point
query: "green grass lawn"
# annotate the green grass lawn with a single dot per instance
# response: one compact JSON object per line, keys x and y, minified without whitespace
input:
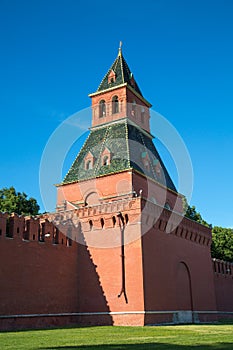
{"x":201,"y":337}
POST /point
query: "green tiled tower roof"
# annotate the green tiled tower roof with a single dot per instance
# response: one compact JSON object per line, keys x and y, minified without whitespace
{"x":122,"y":75}
{"x":128,"y":146}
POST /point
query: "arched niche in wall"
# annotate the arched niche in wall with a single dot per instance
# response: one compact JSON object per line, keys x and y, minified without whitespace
{"x":183,"y":288}
{"x":92,"y":198}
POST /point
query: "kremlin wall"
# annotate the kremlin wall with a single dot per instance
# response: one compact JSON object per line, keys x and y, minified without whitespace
{"x":117,"y":250}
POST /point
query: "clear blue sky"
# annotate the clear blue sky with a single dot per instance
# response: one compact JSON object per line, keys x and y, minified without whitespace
{"x":54,"y":53}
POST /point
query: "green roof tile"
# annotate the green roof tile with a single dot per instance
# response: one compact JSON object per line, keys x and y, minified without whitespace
{"x":127,"y":145}
{"x":122,"y":75}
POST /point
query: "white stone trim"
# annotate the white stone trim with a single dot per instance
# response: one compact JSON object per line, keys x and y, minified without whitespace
{"x":115,"y":313}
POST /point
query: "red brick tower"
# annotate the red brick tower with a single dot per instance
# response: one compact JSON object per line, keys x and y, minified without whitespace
{"x":153,"y":265}
{"x":121,"y":252}
{"x":119,"y":158}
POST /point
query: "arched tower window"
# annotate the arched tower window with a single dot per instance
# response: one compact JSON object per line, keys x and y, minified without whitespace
{"x":115,"y":105}
{"x":102,"y":109}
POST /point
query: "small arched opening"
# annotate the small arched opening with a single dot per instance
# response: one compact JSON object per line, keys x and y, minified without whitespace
{"x":90,"y":224}
{"x":106,"y":160}
{"x":102,"y":109}
{"x":114,"y":221}
{"x":88,"y":165}
{"x":102,"y":222}
{"x":115,"y":105}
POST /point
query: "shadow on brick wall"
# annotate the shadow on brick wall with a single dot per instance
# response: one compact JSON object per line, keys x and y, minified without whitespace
{"x":91,"y":298}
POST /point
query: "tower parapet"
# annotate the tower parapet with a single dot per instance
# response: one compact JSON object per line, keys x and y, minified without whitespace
{"x":223,"y":268}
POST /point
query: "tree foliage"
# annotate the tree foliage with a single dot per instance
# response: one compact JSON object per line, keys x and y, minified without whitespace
{"x":222,"y":243}
{"x":17,"y":202}
{"x":222,"y":238}
{"x":192,"y":214}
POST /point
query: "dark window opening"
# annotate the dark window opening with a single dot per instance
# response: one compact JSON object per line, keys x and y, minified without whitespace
{"x":68,"y":242}
{"x":105,"y":160}
{"x":115,"y":105}
{"x":102,"y":109}
{"x":34,"y":237}
{"x":114,"y":221}
{"x":160,"y":224}
{"x":102,"y":222}
{"x":91,"y":224}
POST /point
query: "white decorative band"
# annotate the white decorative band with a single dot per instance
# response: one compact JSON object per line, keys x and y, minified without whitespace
{"x":116,"y":313}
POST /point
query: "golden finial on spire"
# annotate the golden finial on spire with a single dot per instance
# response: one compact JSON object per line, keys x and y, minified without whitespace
{"x":120,"y":46}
